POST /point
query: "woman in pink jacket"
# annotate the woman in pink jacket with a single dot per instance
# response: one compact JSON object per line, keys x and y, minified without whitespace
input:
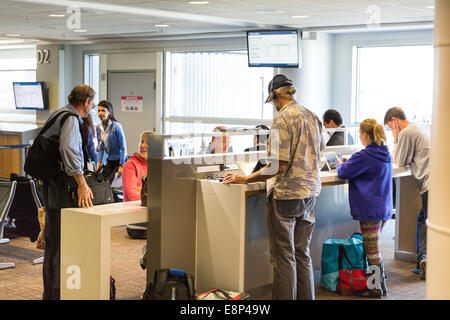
{"x":133,"y":171}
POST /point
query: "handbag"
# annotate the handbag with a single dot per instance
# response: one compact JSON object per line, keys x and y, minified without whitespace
{"x":330,"y":259}
{"x":352,"y":281}
{"x":100,"y":187}
{"x":40,"y":243}
{"x":219,"y":294}
{"x":144,"y":193}
{"x":63,"y":191}
{"x":170,"y":284}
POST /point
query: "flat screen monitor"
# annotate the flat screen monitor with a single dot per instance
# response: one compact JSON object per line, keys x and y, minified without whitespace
{"x":332,"y":160}
{"x":273,"y":48}
{"x":30,"y":95}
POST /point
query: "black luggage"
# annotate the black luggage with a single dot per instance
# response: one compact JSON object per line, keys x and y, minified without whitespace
{"x":170,"y":284}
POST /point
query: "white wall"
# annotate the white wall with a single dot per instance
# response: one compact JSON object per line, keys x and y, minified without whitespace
{"x":131,"y":61}
{"x":342,"y":62}
{"x":313,"y":79}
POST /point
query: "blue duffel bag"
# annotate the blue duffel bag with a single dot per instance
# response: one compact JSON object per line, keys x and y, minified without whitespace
{"x":354,"y":250}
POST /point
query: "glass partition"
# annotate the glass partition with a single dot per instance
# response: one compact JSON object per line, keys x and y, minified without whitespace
{"x":229,"y":141}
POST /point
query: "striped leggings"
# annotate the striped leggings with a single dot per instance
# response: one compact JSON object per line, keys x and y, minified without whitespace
{"x":371,"y":231}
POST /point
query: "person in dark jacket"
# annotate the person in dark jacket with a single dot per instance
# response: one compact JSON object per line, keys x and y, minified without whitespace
{"x":369,"y":172}
{"x":332,"y":120}
{"x":259,"y":140}
{"x":88,"y":134}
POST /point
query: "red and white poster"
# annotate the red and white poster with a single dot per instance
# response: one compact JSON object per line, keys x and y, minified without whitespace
{"x":132,"y":103}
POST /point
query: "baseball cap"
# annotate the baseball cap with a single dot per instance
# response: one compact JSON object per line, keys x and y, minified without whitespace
{"x":278,"y":81}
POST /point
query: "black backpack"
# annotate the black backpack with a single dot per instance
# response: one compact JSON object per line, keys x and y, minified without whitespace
{"x":170,"y":284}
{"x":43,"y":156}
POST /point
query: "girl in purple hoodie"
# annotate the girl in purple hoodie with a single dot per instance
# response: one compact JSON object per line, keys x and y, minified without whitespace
{"x":369,"y":172}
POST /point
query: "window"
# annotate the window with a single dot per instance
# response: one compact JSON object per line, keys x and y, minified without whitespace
{"x":16,"y":64}
{"x":92,"y":78}
{"x":394,"y":76}
{"x":206,"y":89}
{"x":92,"y":72}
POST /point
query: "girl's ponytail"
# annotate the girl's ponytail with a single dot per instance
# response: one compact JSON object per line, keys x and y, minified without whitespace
{"x":374,"y":130}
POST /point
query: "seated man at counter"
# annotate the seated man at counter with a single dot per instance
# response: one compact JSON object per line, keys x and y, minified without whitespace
{"x":260,"y":144}
{"x":412,"y":148}
{"x":331,"y":120}
{"x":294,"y":146}
{"x":259,"y":141}
{"x":219,"y":144}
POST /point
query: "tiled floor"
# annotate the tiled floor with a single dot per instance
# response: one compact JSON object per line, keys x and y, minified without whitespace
{"x":24,"y":282}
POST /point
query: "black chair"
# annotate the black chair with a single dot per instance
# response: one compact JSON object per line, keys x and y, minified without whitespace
{"x":7,"y":192}
{"x":24,"y":209}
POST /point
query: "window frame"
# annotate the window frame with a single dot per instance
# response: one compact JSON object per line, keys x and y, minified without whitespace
{"x":87,"y":70}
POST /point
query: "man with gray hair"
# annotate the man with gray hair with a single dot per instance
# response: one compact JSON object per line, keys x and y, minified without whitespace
{"x":73,"y":160}
{"x":412,"y":148}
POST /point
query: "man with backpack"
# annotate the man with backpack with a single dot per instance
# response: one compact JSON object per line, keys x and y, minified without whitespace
{"x":65,"y":130}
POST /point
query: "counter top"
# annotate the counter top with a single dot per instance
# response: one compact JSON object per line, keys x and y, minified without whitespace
{"x":16,"y":127}
{"x":110,"y":208}
{"x":326,"y":177}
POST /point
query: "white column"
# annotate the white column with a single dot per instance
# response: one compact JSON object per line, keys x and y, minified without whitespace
{"x":438,"y":224}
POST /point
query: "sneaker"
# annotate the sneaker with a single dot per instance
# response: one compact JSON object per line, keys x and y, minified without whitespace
{"x":423,"y":268}
{"x":416,"y":271}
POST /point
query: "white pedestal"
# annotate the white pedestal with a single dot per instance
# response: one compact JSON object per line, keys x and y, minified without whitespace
{"x":86,"y":247}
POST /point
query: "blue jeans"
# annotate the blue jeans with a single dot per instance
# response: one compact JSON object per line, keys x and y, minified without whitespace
{"x":290,"y":224}
{"x":421,"y":230}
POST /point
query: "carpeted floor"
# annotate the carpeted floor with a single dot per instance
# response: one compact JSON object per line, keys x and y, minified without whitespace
{"x":24,"y":282}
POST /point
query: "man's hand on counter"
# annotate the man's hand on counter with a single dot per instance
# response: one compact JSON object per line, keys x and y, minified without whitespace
{"x":260,"y":175}
{"x":235,"y":178}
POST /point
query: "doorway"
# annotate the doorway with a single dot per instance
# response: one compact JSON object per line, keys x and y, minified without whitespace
{"x":140,"y":83}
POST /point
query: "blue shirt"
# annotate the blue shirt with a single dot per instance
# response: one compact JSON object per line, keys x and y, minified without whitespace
{"x":70,"y":141}
{"x":369,"y":172}
{"x":116,"y":149}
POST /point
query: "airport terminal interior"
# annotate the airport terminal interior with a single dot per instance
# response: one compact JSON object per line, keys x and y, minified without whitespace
{"x":197,"y":77}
